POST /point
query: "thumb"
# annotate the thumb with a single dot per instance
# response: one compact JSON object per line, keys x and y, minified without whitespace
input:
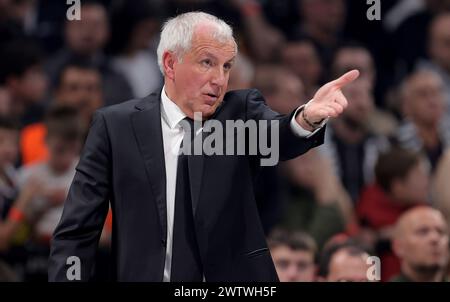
{"x":345,"y":79}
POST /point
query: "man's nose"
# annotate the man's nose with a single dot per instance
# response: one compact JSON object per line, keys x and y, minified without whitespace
{"x":435,"y":236}
{"x":219,"y":77}
{"x":291,"y":272}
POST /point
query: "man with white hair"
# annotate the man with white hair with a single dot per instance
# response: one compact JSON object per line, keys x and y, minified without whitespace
{"x":179,"y":217}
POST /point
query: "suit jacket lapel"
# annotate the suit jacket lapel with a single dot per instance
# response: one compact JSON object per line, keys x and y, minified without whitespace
{"x":146,"y":123}
{"x":147,"y":128}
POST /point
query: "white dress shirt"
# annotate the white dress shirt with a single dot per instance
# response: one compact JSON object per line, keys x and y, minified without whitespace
{"x":173,"y":134}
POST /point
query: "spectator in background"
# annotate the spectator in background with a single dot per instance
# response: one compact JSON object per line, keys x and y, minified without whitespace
{"x":243,"y":73}
{"x":438,"y":48}
{"x":86,"y":39}
{"x":353,"y":143}
{"x":11,"y":20}
{"x":22,"y":76}
{"x":64,"y":140}
{"x":13,"y":204}
{"x":305,"y":194}
{"x":293,"y":254}
{"x":264,"y":40}
{"x":323,"y":22}
{"x":439,"y":51}
{"x":282,"y":89}
{"x":412,"y":39}
{"x":343,"y":262}
{"x":5,"y":101}
{"x":426,"y":127}
{"x":354,"y":55}
{"x":402,"y":181}
{"x":9,"y":137}
{"x":350,"y":144}
{"x":317,"y":202}
{"x":301,"y":57}
{"x":284,"y":92}
{"x":135,"y":26}
{"x":79,"y":85}
{"x":421,"y":242}
{"x":440,"y":187}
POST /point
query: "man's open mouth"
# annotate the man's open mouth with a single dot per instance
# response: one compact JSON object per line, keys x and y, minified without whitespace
{"x":212,"y":95}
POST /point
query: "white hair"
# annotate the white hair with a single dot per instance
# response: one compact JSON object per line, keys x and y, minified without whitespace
{"x":177,"y":33}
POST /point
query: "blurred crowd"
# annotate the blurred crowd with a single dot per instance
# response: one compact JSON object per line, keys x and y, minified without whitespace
{"x":377,"y":187}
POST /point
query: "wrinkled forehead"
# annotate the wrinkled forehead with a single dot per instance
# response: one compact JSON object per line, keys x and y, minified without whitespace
{"x":425,"y":79}
{"x":209,"y":35}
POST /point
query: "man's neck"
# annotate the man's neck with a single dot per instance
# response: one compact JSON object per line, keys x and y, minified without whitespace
{"x":351,"y":135}
{"x":415,"y":276}
{"x":172,"y":96}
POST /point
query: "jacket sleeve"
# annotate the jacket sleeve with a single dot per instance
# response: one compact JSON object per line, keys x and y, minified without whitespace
{"x":290,"y":145}
{"x":76,"y":237}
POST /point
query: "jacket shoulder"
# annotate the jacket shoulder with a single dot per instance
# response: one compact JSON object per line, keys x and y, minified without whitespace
{"x":242,"y":94}
{"x":126,"y":108}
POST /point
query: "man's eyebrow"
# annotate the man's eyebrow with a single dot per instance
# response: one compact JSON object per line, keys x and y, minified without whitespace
{"x":232,"y":60}
{"x":208,"y":54}
{"x":211,"y":55}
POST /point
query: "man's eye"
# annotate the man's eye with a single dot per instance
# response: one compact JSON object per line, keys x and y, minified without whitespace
{"x":207,"y":63}
{"x":227,"y":66}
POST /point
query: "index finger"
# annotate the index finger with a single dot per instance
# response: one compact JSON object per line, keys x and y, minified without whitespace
{"x":346,"y":79}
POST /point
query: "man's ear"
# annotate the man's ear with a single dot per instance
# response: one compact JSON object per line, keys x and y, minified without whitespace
{"x":169,"y":60}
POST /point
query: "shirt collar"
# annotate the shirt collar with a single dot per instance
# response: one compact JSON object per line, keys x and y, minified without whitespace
{"x":171,"y":113}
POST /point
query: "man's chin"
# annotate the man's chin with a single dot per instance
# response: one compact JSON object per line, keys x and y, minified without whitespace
{"x":207,"y":110}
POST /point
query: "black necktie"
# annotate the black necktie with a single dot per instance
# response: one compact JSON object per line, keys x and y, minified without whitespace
{"x":186,"y":263}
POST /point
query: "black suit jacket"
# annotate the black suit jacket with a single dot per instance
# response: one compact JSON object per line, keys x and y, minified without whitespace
{"x":123,"y":163}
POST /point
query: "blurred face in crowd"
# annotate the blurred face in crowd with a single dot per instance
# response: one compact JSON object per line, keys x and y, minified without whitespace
{"x":289,"y":93}
{"x":355,"y":58}
{"x":293,"y":265}
{"x":414,"y":188}
{"x":143,"y":33}
{"x":9,"y":146}
{"x":5,"y":101}
{"x":199,"y":81}
{"x":303,"y":60}
{"x":30,"y":87}
{"x":19,"y":9}
{"x":327,"y":15}
{"x":424,"y":98}
{"x":4,"y":8}
{"x":360,"y":103}
{"x":81,"y":89}
{"x":90,"y":34}
{"x":347,"y":267}
{"x":242,"y":74}
{"x":437,"y":6}
{"x":62,"y":153}
{"x":421,"y":240}
{"x":440,"y":41}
